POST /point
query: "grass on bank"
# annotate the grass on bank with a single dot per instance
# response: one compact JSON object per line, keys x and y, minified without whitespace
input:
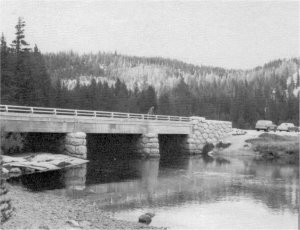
{"x":272,"y":146}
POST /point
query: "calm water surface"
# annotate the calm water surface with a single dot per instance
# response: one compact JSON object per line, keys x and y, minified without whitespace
{"x":185,"y":192}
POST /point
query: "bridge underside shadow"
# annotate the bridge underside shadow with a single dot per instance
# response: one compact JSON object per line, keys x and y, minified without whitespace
{"x":41,"y":142}
{"x":112,"y":146}
{"x":106,"y":152}
{"x":172,"y":145}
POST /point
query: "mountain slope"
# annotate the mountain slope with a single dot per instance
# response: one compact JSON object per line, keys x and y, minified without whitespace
{"x":161,"y":73}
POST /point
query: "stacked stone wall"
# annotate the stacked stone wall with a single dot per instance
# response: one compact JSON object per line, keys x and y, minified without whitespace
{"x":148,"y":145}
{"x":74,"y":144}
{"x":205,"y":131}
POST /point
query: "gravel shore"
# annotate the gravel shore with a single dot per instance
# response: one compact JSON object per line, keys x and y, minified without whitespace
{"x":48,"y":211}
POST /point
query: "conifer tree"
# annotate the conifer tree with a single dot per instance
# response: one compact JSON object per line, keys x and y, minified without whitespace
{"x":164,"y":104}
{"x":19,"y":44}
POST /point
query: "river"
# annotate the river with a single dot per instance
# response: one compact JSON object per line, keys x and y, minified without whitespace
{"x":183,"y":192}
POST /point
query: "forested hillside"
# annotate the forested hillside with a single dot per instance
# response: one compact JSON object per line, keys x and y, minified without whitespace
{"x":113,"y":82}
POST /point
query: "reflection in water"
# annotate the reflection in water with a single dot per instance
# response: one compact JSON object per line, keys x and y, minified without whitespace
{"x":192,"y":179}
{"x":149,"y":174}
{"x":75,"y":177}
{"x":40,"y":181}
{"x":256,"y":193}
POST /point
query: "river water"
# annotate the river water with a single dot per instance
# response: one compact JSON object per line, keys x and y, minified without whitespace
{"x":184,"y":192}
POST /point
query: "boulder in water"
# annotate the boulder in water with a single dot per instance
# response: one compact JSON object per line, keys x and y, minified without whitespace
{"x":207,"y":148}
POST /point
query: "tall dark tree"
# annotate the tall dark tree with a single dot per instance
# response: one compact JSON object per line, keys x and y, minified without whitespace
{"x":147,"y":99}
{"x":133,"y":100}
{"x":122,"y":96}
{"x":6,"y":73}
{"x":298,"y":78}
{"x":40,"y":79}
{"x":182,"y":99}
{"x":19,"y":44}
{"x":22,"y":72}
{"x":164,"y":104}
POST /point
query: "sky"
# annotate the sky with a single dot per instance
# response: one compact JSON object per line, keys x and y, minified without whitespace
{"x":229,"y":34}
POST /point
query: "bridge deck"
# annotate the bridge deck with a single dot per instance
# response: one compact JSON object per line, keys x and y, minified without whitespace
{"x":53,"y":120}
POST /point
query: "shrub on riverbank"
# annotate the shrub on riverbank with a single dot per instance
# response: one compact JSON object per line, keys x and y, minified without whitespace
{"x":11,"y":142}
{"x":272,"y":146}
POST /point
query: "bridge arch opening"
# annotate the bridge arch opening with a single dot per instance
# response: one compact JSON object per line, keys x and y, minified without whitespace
{"x":112,"y":146}
{"x":171,"y":146}
{"x":173,"y":151}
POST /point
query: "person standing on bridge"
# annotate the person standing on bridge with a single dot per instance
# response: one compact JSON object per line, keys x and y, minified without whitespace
{"x":151,"y":111}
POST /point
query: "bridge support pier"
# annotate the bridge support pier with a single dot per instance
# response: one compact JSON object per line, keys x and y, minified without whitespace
{"x":148,"y":145}
{"x":74,"y":144}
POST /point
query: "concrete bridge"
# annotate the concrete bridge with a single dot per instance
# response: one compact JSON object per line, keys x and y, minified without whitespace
{"x":75,"y":124}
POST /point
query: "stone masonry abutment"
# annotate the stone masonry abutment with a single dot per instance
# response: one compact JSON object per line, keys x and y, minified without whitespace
{"x":203,"y":132}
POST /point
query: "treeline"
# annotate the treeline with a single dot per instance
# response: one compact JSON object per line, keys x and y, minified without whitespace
{"x":30,"y":78}
{"x":243,"y":102}
{"x":24,"y":79}
{"x":101,"y":96}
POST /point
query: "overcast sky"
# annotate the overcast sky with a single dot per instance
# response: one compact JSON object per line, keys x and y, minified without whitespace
{"x":231,"y":34}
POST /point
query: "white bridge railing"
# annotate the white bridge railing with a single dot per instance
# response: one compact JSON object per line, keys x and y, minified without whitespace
{"x":88,"y":113}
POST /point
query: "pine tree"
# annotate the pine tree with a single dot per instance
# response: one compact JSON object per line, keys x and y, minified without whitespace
{"x":21,"y":79}
{"x":182,"y":99}
{"x":147,"y":99}
{"x":5,"y":75}
{"x":122,"y":97}
{"x":164,"y":104}
{"x":3,"y":47}
{"x":298,"y":78}
{"x":133,"y":100}
{"x":40,"y":95}
{"x":19,"y":44}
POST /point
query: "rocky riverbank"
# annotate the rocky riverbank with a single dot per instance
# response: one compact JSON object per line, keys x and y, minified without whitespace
{"x":263,"y":146}
{"x":48,"y":211}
